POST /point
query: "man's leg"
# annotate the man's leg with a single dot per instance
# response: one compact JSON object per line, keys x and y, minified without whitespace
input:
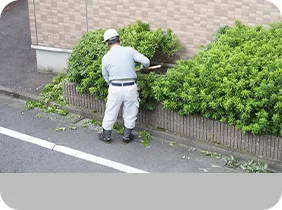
{"x":130,"y":111}
{"x":112,"y":109}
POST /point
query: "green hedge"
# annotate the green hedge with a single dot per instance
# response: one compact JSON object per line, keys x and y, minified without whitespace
{"x":85,"y":64}
{"x":236,"y":79}
{"x":85,"y":61}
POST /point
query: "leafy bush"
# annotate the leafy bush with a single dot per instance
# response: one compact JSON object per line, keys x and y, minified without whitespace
{"x":85,"y":64}
{"x":152,"y":43}
{"x":85,"y":61}
{"x":146,"y":83}
{"x":237,"y":79}
{"x":222,"y":30}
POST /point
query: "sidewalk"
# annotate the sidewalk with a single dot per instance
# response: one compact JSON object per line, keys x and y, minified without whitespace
{"x":20,"y":79}
{"x":18,"y":71}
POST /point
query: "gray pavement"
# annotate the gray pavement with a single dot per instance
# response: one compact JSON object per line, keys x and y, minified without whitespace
{"x":17,"y":156}
{"x":19,"y":78}
{"x":18,"y":70}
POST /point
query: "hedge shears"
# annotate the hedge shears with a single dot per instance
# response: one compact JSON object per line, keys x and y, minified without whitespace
{"x":144,"y":70}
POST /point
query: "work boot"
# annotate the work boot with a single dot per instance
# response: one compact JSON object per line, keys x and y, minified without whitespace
{"x":127,"y":135}
{"x":105,"y":136}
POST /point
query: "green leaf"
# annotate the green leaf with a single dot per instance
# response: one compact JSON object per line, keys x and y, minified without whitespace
{"x":73,"y":128}
{"x":60,"y":129}
{"x":146,"y":138}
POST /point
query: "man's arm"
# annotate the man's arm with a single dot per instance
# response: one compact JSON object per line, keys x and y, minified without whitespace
{"x":105,"y":73}
{"x":140,"y":58}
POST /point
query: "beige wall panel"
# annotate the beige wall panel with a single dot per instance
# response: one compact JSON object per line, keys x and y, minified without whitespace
{"x":194,"y":21}
{"x":32,"y":22}
{"x":61,"y":23}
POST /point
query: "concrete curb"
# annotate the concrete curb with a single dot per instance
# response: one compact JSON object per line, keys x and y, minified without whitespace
{"x":158,"y":134}
{"x":20,"y":95}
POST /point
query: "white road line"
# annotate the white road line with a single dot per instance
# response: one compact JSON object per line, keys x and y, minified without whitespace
{"x":97,"y":160}
{"x":26,"y":138}
{"x":70,"y":151}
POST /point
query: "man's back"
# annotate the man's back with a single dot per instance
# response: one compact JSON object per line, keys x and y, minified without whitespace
{"x":118,"y":63}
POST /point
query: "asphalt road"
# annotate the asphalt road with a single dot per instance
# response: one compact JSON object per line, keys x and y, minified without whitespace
{"x":18,"y":68}
{"x":18,"y":156}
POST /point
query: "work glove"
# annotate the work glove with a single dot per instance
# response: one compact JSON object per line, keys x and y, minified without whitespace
{"x":143,"y":70}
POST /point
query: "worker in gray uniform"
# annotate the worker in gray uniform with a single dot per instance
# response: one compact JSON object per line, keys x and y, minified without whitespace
{"x":118,"y":70}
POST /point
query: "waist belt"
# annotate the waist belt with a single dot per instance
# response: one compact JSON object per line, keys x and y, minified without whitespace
{"x":123,"y":84}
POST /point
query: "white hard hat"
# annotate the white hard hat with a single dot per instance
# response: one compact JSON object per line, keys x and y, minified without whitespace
{"x":110,"y":33}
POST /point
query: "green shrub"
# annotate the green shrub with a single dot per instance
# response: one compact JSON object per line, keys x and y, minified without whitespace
{"x":237,"y":79}
{"x":222,"y":30}
{"x":85,"y":61}
{"x":85,"y":64}
{"x":151,"y":43}
{"x":146,"y":83}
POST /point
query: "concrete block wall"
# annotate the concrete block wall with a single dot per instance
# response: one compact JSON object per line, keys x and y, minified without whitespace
{"x":60,"y":23}
{"x":194,"y":127}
